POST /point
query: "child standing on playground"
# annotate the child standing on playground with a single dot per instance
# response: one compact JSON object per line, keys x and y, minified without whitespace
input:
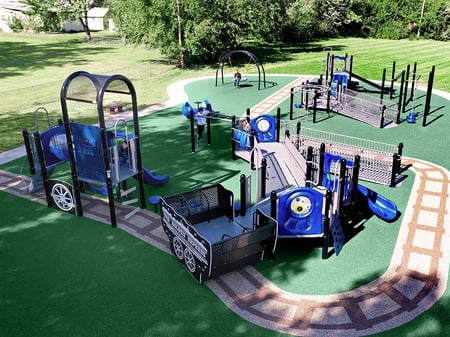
{"x":200,"y":117}
{"x":237,"y":78}
{"x":123,"y":152}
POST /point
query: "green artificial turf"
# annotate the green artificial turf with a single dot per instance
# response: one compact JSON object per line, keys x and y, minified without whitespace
{"x":68,"y":276}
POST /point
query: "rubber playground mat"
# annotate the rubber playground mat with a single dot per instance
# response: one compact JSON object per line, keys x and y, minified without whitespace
{"x":298,"y":267}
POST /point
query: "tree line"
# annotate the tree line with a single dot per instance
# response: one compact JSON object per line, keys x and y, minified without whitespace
{"x":199,"y":31}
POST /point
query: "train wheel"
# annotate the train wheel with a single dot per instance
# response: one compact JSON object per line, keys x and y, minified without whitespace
{"x":62,"y":197}
{"x":189,"y":260}
{"x":178,"y":248}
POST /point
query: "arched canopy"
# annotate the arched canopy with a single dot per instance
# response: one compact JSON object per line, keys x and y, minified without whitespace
{"x":258,"y":64}
{"x":90,"y":88}
{"x":85,"y":87}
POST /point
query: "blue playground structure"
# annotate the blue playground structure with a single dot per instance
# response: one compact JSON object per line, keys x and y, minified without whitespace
{"x":101,"y":159}
{"x":211,"y":234}
{"x":311,"y":189}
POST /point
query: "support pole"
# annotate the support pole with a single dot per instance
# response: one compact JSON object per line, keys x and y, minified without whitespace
{"x":40,"y":153}
{"x":273,"y":204}
{"x":26,"y":140}
{"x":405,"y":94}
{"x":326,"y":224}
{"x":428,"y":98}
{"x":392,"y":80}
{"x":309,"y":157}
{"x":321,"y":163}
{"x":263,"y":180}
{"x":233,"y":142}
{"x":277,"y":136}
{"x":191,"y":119}
{"x":291,"y":109}
{"x":243,"y":188}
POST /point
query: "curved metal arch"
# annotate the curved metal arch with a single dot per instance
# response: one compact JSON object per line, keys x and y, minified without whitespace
{"x":252,"y":56}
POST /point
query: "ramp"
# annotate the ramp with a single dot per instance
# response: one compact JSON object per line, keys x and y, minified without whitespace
{"x":285,"y":165}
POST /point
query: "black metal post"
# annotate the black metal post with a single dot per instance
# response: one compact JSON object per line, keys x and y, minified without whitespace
{"x":326,"y":224}
{"x":405,"y":94}
{"x":309,"y":157}
{"x":243,"y":190}
{"x":291,"y":109}
{"x":273,"y":204}
{"x":263,"y":180}
{"x":355,"y":179}
{"x":208,"y":130}
{"x":428,"y":98}
{"x":40,"y":153}
{"x":392,"y":80}
{"x":26,"y":140}
{"x":191,"y":120}
{"x":342,"y":173}
{"x":277,"y":138}
{"x":321,"y":163}
{"x":233,"y":141}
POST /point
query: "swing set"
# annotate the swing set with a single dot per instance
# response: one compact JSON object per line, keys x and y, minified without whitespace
{"x":227,"y":60}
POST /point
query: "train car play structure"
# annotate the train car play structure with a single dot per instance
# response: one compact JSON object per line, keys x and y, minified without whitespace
{"x":300,"y":195}
{"x":205,"y":236}
{"x":101,"y":159}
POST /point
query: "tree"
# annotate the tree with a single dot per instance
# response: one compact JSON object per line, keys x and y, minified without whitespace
{"x":312,"y":19}
{"x":187,"y":30}
{"x":48,"y":15}
{"x":75,"y":9}
{"x":194,"y":31}
{"x":41,"y":16}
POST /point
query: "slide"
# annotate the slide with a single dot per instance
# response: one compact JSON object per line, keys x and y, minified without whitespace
{"x":379,"y":205}
{"x":152,"y":178}
{"x":100,"y":190}
{"x":368,"y":82}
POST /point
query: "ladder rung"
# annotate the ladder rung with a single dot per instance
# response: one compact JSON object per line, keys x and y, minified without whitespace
{"x":131,"y":201}
{"x":128,"y":191}
{"x":133,"y":212}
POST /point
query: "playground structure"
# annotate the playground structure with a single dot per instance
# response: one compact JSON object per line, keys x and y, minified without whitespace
{"x":205,"y":237}
{"x":226,"y":59}
{"x":97,"y":155}
{"x":336,"y":91}
{"x":211,"y":234}
{"x":379,"y":162}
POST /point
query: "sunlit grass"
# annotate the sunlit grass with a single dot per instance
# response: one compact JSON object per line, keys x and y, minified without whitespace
{"x":34,"y":67}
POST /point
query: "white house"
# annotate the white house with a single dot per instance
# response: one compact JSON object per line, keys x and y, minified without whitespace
{"x":96,"y":17}
{"x":14,"y":8}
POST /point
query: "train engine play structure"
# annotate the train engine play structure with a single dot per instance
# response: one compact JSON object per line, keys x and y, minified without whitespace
{"x":101,"y":159}
{"x":300,"y":194}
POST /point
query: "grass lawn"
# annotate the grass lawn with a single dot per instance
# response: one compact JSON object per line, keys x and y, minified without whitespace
{"x":34,"y":67}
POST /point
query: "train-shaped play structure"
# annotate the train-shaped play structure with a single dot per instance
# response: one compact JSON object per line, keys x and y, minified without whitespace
{"x":102,"y":159}
{"x":301,"y":193}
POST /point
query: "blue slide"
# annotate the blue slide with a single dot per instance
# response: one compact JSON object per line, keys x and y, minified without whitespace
{"x":380,"y":206}
{"x":100,"y":190}
{"x":152,"y":178}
